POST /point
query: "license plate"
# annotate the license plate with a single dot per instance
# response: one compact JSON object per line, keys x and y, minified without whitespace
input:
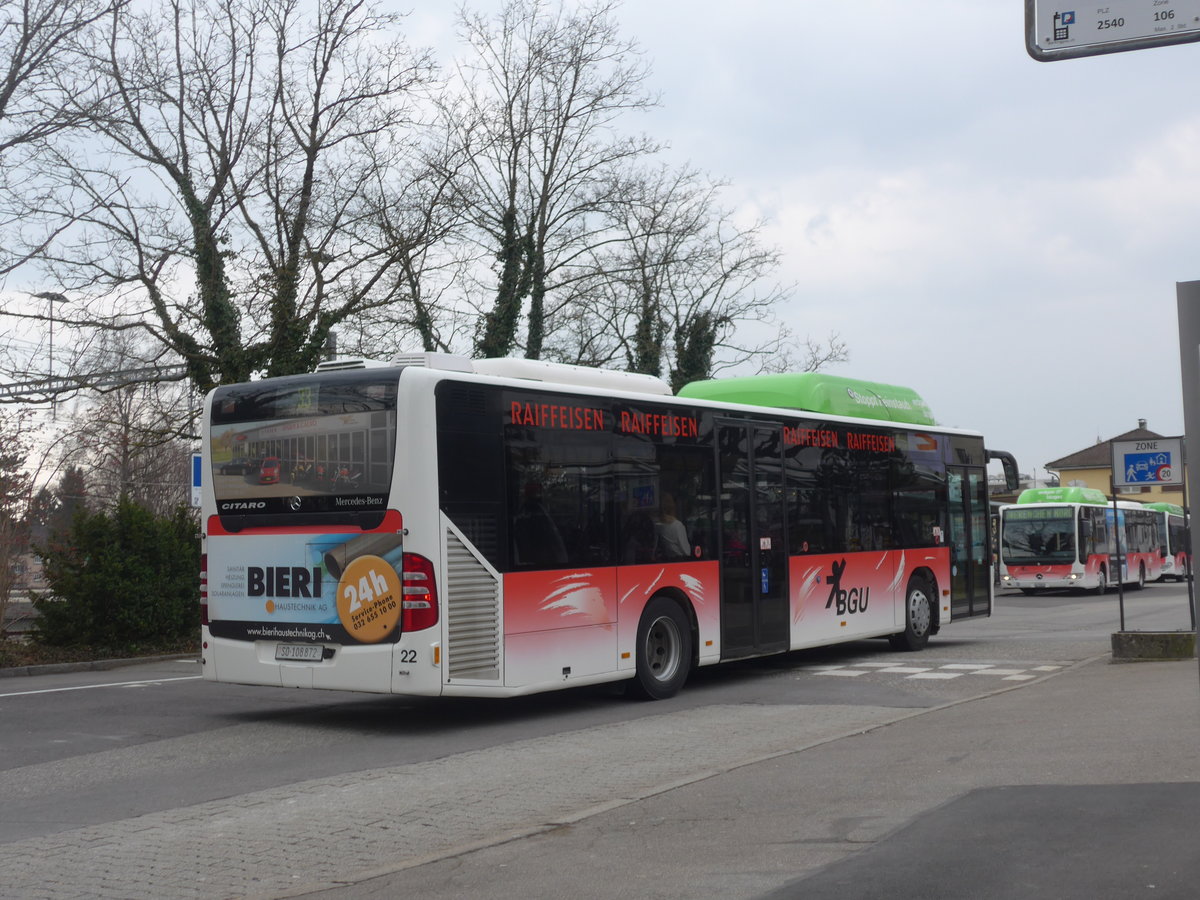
{"x":301,"y":652}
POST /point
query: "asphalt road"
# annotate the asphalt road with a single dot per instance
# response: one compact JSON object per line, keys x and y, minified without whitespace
{"x":119,"y":771}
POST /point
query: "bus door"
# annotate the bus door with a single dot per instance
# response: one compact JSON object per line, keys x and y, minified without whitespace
{"x":970,"y":591}
{"x":753,"y":546}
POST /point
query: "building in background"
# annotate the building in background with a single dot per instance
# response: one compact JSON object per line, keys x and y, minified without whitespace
{"x":1092,"y":467}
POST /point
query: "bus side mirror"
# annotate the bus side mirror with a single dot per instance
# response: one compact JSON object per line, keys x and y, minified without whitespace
{"x":1012,"y":478}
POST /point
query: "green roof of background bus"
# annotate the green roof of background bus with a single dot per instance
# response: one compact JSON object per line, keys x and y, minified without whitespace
{"x":1166,"y":507}
{"x":819,"y":393}
{"x":1063,"y":495}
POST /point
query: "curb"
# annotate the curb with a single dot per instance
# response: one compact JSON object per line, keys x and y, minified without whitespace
{"x":95,"y":665}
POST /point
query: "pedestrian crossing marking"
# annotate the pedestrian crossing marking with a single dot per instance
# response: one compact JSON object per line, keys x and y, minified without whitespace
{"x":945,"y":672}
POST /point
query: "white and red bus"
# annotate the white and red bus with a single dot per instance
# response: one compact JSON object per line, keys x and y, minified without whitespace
{"x":1176,"y":546}
{"x":501,"y":527}
{"x":1065,"y":538}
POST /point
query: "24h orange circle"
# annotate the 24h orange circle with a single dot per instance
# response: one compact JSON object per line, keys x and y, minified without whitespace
{"x":369,"y":599}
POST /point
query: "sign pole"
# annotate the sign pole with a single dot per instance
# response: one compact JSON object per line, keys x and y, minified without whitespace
{"x":1152,"y":460}
{"x":1187,"y":300}
{"x":1120,"y":558}
{"x":1187,"y":533}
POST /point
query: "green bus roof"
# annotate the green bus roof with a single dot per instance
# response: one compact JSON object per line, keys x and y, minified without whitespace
{"x":1063,"y":495}
{"x":820,"y":393}
{"x":1172,"y":508}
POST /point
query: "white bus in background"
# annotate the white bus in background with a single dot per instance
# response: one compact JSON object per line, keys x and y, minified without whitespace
{"x":1065,"y":538}
{"x":1172,"y":531}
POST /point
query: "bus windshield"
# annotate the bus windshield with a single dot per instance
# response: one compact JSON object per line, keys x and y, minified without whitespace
{"x":291,"y":448}
{"x":1034,"y":536}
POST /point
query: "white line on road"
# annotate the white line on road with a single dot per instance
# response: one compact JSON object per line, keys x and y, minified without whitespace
{"x":87,"y":687}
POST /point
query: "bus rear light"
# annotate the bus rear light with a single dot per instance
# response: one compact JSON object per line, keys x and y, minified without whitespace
{"x":419,"y":608}
{"x":203,"y":588}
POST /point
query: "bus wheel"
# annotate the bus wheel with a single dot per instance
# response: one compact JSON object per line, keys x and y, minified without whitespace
{"x":1141,"y":582}
{"x":1103,"y":585}
{"x":664,"y":651}
{"x":918,"y":616}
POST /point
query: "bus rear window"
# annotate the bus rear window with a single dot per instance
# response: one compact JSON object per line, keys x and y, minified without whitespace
{"x":307,"y":448}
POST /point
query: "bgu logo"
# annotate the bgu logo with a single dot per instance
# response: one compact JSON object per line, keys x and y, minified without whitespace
{"x":845,"y":601}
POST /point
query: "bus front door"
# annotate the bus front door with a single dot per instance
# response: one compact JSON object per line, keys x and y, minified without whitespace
{"x":970,"y":587}
{"x":753,"y":546}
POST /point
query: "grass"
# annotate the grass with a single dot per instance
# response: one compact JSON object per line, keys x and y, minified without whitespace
{"x":15,"y":652}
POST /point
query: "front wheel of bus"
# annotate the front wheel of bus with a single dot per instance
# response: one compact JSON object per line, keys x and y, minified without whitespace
{"x":664,"y":651}
{"x":918,"y":616}
{"x":1103,"y":585}
{"x":1141,"y":582}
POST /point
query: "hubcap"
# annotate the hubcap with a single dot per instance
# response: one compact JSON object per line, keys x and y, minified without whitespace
{"x":919,"y":611}
{"x":663,"y":648}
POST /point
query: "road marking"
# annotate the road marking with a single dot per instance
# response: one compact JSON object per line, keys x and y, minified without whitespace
{"x":943,"y":676}
{"x":88,"y":687}
{"x":945,"y":672}
{"x":968,"y":667}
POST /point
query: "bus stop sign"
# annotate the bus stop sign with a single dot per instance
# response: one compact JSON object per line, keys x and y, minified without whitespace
{"x":1060,"y":29}
{"x":1153,"y":461}
{"x":197,"y":476}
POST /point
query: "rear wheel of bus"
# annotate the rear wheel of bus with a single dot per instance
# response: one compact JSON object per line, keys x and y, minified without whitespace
{"x":664,"y":651}
{"x":1141,"y":580}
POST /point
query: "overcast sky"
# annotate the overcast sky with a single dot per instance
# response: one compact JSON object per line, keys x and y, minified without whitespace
{"x":1002,"y":235}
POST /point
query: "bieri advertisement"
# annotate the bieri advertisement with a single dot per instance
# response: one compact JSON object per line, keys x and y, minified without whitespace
{"x":339,"y":588}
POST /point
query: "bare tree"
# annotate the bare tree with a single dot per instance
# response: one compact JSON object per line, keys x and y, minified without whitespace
{"x":536,"y":117}
{"x":134,"y":440}
{"x":417,"y":215}
{"x":36,"y":43}
{"x":221,"y":203}
{"x":676,"y":289}
{"x":125,"y":443}
{"x":256,"y":173}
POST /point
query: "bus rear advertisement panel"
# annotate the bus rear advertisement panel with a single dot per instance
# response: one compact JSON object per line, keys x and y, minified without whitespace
{"x":433,"y":532}
{"x":340,"y":588}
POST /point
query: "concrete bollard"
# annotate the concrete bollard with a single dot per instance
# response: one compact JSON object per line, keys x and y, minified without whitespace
{"x":1137,"y":646}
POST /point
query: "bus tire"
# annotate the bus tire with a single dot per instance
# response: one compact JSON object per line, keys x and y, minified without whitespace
{"x":918,"y":616}
{"x":1141,"y":581}
{"x":664,"y":651}
{"x":1103,"y":585}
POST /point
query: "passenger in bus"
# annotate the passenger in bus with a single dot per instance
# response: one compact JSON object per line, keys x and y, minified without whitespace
{"x":672,"y":534}
{"x":641,"y":540}
{"x":536,"y":538}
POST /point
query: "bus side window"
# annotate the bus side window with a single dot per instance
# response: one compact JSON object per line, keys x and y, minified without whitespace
{"x":535,"y":536}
